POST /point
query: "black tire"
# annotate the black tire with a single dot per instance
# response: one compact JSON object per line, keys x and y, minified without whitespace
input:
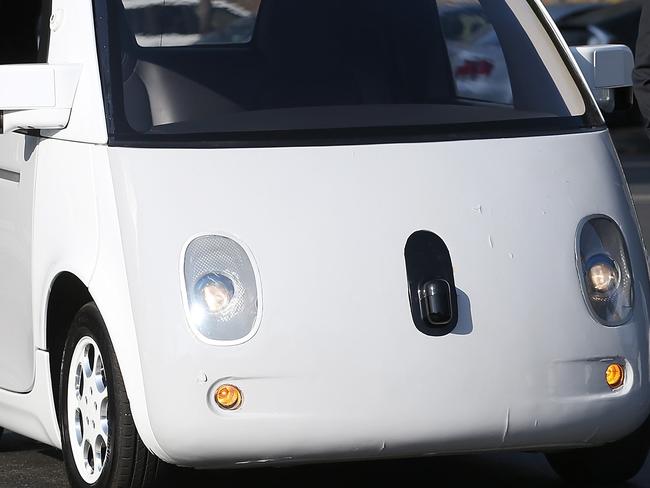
{"x":611,"y":464}
{"x":128,"y":463}
{"x":2,"y":431}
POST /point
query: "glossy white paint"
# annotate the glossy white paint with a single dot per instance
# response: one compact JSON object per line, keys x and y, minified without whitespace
{"x":37,"y":96}
{"x":337,"y":369}
{"x":109,"y":287}
{"x":336,"y":338}
{"x":77,"y":230}
{"x":33,"y":414}
{"x":25,"y":86}
{"x":18,"y":161}
{"x":73,"y":42}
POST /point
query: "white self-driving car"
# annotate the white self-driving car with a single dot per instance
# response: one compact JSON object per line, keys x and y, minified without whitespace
{"x":244,"y":232}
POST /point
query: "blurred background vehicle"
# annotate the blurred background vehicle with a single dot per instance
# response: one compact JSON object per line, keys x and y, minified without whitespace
{"x":599,"y":23}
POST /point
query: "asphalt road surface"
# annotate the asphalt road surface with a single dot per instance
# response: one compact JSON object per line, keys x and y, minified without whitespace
{"x":27,"y":464}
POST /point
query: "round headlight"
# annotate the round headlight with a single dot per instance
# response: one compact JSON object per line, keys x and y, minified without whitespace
{"x":602,"y":275}
{"x":216,"y":291}
{"x":221,"y":290}
{"x":605,"y":271}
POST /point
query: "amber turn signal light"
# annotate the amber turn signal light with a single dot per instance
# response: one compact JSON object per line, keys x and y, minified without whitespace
{"x":228,"y":397}
{"x":615,"y":375}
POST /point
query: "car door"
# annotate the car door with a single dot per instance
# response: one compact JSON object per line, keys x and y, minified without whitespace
{"x":23,"y":39}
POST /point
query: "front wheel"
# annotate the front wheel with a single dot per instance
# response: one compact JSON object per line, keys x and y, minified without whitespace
{"x":101,"y":446}
{"x":610,"y":464}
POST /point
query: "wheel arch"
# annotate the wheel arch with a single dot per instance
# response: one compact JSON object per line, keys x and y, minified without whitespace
{"x":67,"y":295}
{"x":78,"y":257}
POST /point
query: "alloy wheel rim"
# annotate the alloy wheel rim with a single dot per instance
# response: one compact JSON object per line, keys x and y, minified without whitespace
{"x":88,"y":410}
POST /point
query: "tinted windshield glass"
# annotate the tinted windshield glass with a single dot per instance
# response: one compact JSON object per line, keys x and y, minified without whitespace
{"x":209,"y":69}
{"x":158,"y":23}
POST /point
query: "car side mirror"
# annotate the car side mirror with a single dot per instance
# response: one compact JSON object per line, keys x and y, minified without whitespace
{"x":36,"y":96}
{"x":608,"y":72}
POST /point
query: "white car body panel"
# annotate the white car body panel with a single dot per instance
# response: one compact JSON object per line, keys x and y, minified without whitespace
{"x":18,"y":160}
{"x":72,"y":41}
{"x":327,"y":228}
{"x":326,"y":296}
{"x":33,"y":414}
{"x":91,"y":251}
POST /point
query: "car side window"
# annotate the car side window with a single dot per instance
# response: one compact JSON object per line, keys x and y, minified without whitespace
{"x":24,"y":31}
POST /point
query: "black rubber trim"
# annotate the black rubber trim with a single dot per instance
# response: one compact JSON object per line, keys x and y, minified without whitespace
{"x":427,"y":258}
{"x":44,"y":31}
{"x":339,"y":137}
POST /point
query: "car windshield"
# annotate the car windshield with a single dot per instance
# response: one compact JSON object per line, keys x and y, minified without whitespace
{"x":219,"y":70}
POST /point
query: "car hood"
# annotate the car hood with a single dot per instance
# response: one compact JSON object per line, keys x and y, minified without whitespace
{"x":327,"y":228}
{"x":328,"y":225}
